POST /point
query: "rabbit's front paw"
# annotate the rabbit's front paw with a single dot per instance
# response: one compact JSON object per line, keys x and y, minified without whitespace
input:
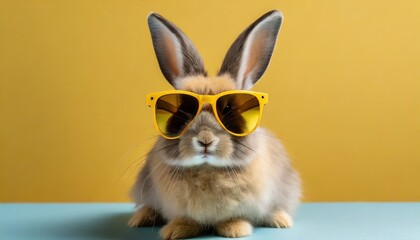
{"x":145,"y":216}
{"x":234,"y":228}
{"x":180,"y":228}
{"x":280,"y":219}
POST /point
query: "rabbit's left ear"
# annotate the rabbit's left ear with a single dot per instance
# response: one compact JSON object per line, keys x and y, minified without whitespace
{"x":176,"y":54}
{"x":249,"y":56}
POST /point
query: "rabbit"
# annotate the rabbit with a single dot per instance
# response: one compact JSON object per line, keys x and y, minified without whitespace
{"x":246,"y":181}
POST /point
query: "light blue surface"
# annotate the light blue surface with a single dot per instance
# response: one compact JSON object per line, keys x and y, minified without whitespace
{"x":314,"y":221}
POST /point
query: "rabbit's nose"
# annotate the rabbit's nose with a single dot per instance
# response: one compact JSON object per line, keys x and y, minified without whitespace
{"x":205,"y":140}
{"x":206,"y":137}
{"x":204,"y":144}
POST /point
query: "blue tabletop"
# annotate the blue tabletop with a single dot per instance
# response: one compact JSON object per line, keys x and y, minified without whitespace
{"x":314,"y":221}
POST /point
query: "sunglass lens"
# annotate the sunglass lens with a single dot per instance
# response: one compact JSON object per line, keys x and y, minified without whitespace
{"x":239,"y":113}
{"x":174,"y":112}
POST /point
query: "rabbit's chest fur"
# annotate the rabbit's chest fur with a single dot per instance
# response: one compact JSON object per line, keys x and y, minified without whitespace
{"x":208,"y":194}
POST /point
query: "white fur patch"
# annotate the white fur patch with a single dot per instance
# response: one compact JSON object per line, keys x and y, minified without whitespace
{"x":203,"y":158}
{"x":206,"y":159}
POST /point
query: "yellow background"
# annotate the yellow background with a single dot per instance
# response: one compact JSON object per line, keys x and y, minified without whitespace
{"x":344,"y":86}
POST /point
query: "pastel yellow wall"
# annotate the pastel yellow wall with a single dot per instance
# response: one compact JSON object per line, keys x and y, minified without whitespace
{"x":344,"y":86}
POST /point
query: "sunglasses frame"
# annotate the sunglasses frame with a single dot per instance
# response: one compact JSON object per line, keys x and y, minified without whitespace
{"x":151,"y":100}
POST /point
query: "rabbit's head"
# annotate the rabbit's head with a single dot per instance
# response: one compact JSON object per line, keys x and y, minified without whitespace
{"x":206,"y":141}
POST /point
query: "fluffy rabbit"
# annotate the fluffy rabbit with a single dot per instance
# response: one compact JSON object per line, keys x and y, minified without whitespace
{"x":243,"y":181}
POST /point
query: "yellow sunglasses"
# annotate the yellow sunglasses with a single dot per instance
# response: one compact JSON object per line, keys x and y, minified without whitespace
{"x":238,"y":111}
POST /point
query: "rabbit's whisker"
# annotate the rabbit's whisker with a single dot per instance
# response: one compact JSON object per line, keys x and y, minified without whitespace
{"x":145,"y":179}
{"x":235,"y":175}
{"x":142,"y":158}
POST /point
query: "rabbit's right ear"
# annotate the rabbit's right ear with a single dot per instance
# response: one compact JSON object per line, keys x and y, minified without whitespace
{"x":248,"y":57}
{"x":176,"y":54}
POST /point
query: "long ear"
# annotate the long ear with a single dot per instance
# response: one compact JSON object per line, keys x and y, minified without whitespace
{"x":176,"y":54}
{"x":249,"y":56}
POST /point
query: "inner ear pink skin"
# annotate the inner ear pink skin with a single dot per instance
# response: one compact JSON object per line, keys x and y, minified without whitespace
{"x":255,"y":54}
{"x":171,"y":55}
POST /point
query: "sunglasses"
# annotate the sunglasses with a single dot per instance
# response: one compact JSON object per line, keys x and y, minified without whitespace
{"x":238,"y":112}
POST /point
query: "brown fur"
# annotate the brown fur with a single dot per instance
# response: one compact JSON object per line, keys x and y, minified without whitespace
{"x":146,"y":217}
{"x":207,"y":85}
{"x":179,"y":228}
{"x":234,"y":228}
{"x":237,"y":182}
